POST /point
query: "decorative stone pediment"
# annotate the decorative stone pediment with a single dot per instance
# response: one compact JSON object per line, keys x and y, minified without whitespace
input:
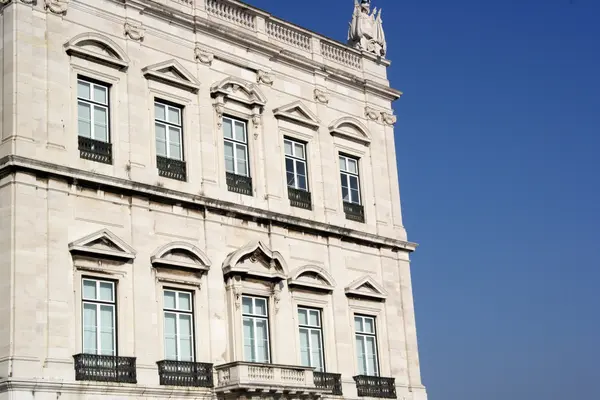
{"x":366,"y":287}
{"x":181,"y":255}
{"x":312,"y":277}
{"x":256,"y":260}
{"x":298,"y":112}
{"x":351,"y":129}
{"x":98,"y":48}
{"x":238,"y":90}
{"x":172,"y":72}
{"x":103,"y":243}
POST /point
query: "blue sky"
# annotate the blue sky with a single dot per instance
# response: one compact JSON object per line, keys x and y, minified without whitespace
{"x":498,"y":142}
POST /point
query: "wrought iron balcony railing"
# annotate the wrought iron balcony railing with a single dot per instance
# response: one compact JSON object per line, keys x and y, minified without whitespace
{"x":95,"y":150}
{"x":239,"y":184}
{"x":300,"y":198}
{"x":329,"y":381}
{"x":93,"y":367}
{"x":375,"y":386}
{"x":354,"y":212}
{"x":171,"y":168}
{"x":182,"y":373}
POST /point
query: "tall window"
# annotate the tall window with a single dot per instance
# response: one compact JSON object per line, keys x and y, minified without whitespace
{"x":99,"y":317}
{"x":350,"y":181}
{"x":311,"y":338}
{"x":295,"y":164}
{"x":179,"y":330}
{"x":236,"y":146}
{"x":92,"y":110}
{"x":366,"y":345}
{"x":256,"y":329}
{"x":168,"y":128}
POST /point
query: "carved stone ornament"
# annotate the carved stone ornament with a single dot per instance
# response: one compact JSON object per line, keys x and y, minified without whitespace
{"x":276,"y":292}
{"x":264,"y":77}
{"x":57,"y":6}
{"x":256,"y":121}
{"x":203,"y":56}
{"x":321,"y":96}
{"x":388,"y":118}
{"x":366,"y":29}
{"x":371,"y":113}
{"x":237,"y":294}
{"x":134,"y":30}
{"x":219,"y":110}
{"x":3,"y":2}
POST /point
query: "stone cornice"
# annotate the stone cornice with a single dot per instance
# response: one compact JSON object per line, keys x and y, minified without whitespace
{"x":11,"y":164}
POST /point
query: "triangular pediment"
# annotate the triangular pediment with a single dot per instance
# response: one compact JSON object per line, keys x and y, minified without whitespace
{"x":256,"y":260}
{"x":103,"y":243}
{"x":298,"y":112}
{"x":311,"y":277}
{"x":180,"y":255}
{"x":351,"y":129}
{"x":366,"y":287}
{"x":172,"y":72}
{"x":239,"y":90}
{"x":98,"y":48}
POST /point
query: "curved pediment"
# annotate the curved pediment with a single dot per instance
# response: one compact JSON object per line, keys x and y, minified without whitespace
{"x":103,"y":243}
{"x":180,"y":255}
{"x":366,"y":287}
{"x":240,"y":91}
{"x":298,"y":112}
{"x":172,"y":72}
{"x":98,"y":48}
{"x":352,"y":129}
{"x":312,"y":277}
{"x":257,"y":260}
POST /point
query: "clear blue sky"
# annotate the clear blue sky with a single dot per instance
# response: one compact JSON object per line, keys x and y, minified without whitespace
{"x":498,"y":143}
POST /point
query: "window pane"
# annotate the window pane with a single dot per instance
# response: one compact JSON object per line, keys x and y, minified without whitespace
{"x":84,"y":117}
{"x":185,"y":302}
{"x":369,"y":325}
{"x":159,"y":111}
{"x":174,"y":115}
{"x":262,"y":342}
{"x":240,"y":133}
{"x":229,"y":162}
{"x":170,"y":336}
{"x":175,"y":151}
{"x":342,"y":163}
{"x":89,"y":290}
{"x":241,"y":168}
{"x":291,"y":181}
{"x":344,"y":180}
{"x":169,"y":299}
{"x":107,"y":343}
{"x":302,"y":316}
{"x":301,"y":168}
{"x":289,"y":165}
{"x":314,"y":318}
{"x":248,"y":340}
{"x":100,"y":120}
{"x":353,"y":182}
{"x":161,"y":140}
{"x":83,"y":90}
{"x":360,"y":356}
{"x":247,"y":305}
{"x":89,"y":329}
{"x":352,"y":166}
{"x":299,"y":150}
{"x":185,"y":337}
{"x":302,"y":182}
{"x":227,"y":129}
{"x":371,"y":356}
{"x":287,"y":145}
{"x":315,"y":338}
{"x":106,"y":291}
{"x":355,"y":196}
{"x":174,"y":135}
{"x":260,"y":307}
{"x":240,"y":156}
{"x":304,"y":348}
{"x":358,"y":324}
{"x":185,"y":346}
{"x":345,"y":195}
{"x":100,"y":94}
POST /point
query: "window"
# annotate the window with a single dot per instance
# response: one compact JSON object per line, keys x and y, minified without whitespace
{"x":99,"y":317}
{"x":350,"y":181}
{"x":295,"y":164}
{"x":92,"y":110}
{"x":256,"y":329}
{"x":366,"y":345}
{"x":168,"y":126}
{"x":179,"y":330}
{"x":236,"y":146}
{"x":311,"y":338}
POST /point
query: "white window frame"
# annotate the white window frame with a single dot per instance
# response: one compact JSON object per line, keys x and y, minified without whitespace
{"x":295,"y":160}
{"x":167,"y":125}
{"x":310,"y":328}
{"x":363,"y":335}
{"x":257,"y":317}
{"x":236,"y":143}
{"x":345,"y":174}
{"x":94,"y":104}
{"x":98,"y":303}
{"x":178,"y":313}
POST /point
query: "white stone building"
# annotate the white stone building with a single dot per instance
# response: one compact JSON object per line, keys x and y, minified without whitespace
{"x":198,"y":200}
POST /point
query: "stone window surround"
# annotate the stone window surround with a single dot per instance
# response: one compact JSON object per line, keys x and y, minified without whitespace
{"x":363,"y":156}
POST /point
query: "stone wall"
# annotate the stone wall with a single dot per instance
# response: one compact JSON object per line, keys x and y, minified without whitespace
{"x":6,"y":235}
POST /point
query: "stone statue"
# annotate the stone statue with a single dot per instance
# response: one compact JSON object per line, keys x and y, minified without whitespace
{"x":366,"y":29}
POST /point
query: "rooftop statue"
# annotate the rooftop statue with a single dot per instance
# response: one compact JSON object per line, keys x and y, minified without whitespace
{"x":366,"y":29}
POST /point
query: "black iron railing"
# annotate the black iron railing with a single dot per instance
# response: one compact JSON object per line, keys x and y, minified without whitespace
{"x":375,"y":386}
{"x":95,"y":150}
{"x":239,"y":184}
{"x":93,"y":367}
{"x":354,"y":212}
{"x":171,"y":168}
{"x":329,"y":381}
{"x":299,"y":198}
{"x":183,"y":373}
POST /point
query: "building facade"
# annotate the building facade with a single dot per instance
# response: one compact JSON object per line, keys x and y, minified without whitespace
{"x":198,"y":200}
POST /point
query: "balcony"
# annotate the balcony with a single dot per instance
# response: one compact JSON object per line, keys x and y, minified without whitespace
{"x":182,"y":373}
{"x":354,"y":212}
{"x":92,"y":367}
{"x":239,"y":184}
{"x":171,"y":168}
{"x":267,"y":378}
{"x":95,"y":150}
{"x":300,"y":198}
{"x":375,"y":386}
{"x":328,"y":381}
